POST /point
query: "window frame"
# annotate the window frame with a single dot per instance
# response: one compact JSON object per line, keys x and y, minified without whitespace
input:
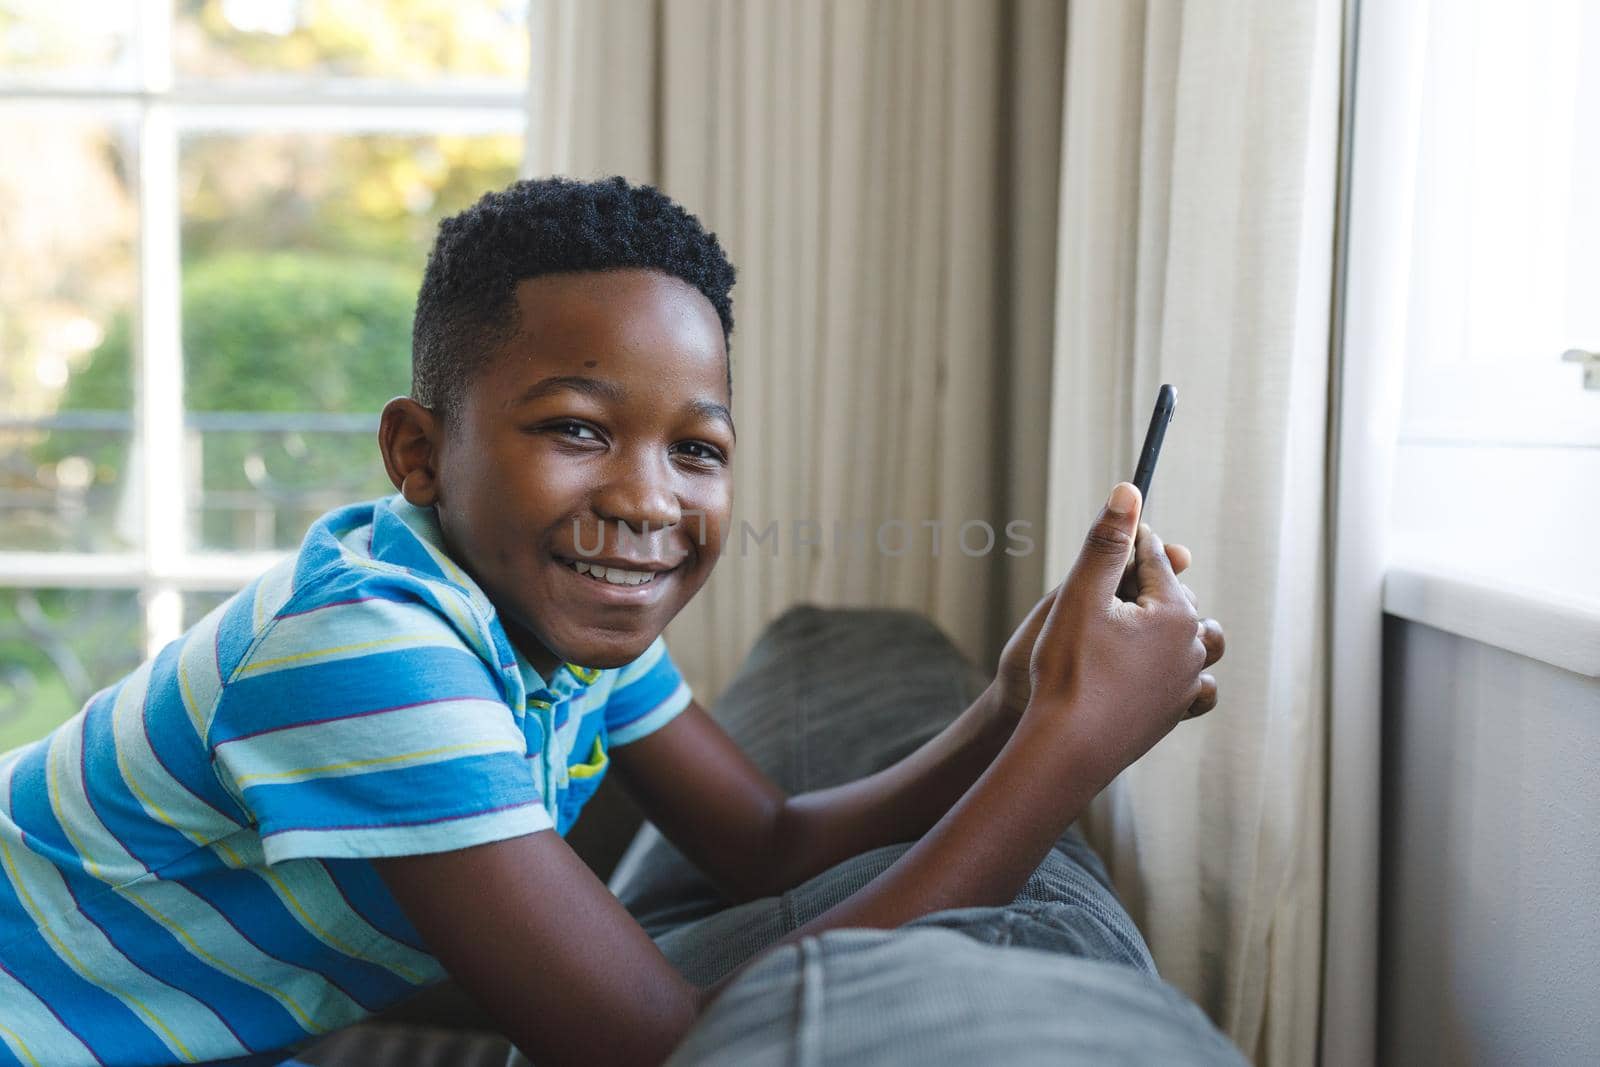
{"x":165,"y":566}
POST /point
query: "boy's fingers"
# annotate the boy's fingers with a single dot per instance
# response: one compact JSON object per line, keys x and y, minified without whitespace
{"x":1206,"y":700}
{"x":1180,"y":558}
{"x":1105,"y":550}
{"x":1155,"y":569}
{"x":1211,"y":636}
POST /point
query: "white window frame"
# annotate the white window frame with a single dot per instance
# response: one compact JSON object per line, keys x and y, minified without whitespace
{"x":166,"y":566}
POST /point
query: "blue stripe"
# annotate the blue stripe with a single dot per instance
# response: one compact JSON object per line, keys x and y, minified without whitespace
{"x":107,"y":1026}
{"x":256,"y":1019}
{"x":349,"y":686}
{"x":442,"y":790}
{"x":236,"y":631}
{"x":346,"y":586}
{"x":261,"y":917}
{"x":17,"y":978}
{"x":151,"y":842}
{"x":6,"y":1056}
{"x":178,"y":750}
{"x":319,"y":551}
{"x":643,"y":696}
{"x":368,"y":895}
{"x":30,"y":810}
{"x":395,"y":542}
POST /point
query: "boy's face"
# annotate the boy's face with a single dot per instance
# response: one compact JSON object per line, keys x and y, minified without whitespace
{"x":599,"y":434}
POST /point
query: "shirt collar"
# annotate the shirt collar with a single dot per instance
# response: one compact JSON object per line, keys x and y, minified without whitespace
{"x":565,"y":682}
{"x":423,"y":526}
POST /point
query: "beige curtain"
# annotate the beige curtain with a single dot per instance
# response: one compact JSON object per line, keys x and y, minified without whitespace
{"x":1196,"y":245}
{"x":884,"y":178}
{"x":972,"y":240}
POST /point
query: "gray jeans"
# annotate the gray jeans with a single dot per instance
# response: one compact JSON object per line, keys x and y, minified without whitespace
{"x":1060,"y":976}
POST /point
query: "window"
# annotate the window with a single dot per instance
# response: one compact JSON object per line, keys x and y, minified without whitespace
{"x":1505,"y":260}
{"x":1498,"y":438}
{"x":213,"y":220}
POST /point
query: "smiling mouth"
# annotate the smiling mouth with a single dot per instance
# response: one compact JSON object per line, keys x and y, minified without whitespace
{"x":616,"y":576}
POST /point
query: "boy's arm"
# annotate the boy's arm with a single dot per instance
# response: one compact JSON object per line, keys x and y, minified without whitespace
{"x":529,"y":932}
{"x":737,"y":825}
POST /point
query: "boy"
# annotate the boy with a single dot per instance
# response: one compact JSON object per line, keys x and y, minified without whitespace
{"x":354,"y":777}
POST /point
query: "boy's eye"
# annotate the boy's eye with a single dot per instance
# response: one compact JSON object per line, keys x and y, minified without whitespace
{"x":702,"y":451}
{"x":575,"y":430}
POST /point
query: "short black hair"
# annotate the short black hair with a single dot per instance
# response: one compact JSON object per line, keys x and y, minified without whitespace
{"x":467,"y":308}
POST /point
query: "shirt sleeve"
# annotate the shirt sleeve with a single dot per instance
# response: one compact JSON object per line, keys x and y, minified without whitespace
{"x":647,"y":694}
{"x":369,"y":728}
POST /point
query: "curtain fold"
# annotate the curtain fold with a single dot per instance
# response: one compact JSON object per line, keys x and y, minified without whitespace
{"x":883,"y":176}
{"x":1196,"y":242}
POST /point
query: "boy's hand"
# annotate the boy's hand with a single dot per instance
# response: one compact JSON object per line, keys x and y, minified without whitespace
{"x":1012,"y":687}
{"x":1116,"y":676}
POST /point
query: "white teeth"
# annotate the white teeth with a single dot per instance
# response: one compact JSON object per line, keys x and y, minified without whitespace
{"x":613,"y":575}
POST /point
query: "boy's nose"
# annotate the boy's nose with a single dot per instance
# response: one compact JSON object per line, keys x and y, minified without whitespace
{"x":641,"y":499}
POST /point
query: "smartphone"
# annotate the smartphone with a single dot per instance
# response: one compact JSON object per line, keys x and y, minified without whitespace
{"x":1166,"y":403}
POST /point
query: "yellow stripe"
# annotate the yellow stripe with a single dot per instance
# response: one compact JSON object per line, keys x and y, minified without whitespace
{"x":288,"y":894}
{"x":178,"y":931}
{"x":405,"y":972}
{"x":17,"y":1042}
{"x":52,"y":793}
{"x":149,"y":910}
{"x":62,"y":949}
{"x":371,"y":761}
{"x":463,"y":624}
{"x":445,"y":563}
{"x":315,"y":653}
{"x":127,"y":776}
{"x":188,"y":698}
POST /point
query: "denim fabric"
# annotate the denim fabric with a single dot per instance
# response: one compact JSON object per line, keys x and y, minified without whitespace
{"x":1062,"y":908}
{"x":923,"y":997}
{"x":1061,"y":975}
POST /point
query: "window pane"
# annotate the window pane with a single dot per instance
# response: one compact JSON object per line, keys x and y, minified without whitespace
{"x":67,"y":42}
{"x":68,"y":212}
{"x":301,"y":259}
{"x":58,"y":647}
{"x":1504,"y":272}
{"x":436,"y":41}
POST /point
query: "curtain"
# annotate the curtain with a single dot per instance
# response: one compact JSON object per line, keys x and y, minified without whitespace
{"x":883,"y":176}
{"x":1198,"y":190}
{"x":973,"y":238}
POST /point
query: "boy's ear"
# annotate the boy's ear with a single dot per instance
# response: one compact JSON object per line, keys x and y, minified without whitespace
{"x":408,"y":437}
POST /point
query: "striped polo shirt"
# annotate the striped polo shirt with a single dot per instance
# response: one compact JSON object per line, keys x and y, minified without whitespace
{"x":183,"y":864}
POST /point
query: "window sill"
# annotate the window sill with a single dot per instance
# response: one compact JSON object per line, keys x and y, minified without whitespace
{"x":1494,"y":542}
{"x":1556,"y":626}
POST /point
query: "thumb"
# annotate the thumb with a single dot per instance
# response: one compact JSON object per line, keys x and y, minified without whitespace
{"x":1105,"y":551}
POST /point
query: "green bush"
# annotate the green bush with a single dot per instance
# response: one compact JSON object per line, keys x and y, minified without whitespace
{"x":279,"y":332}
{"x":296,"y":332}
